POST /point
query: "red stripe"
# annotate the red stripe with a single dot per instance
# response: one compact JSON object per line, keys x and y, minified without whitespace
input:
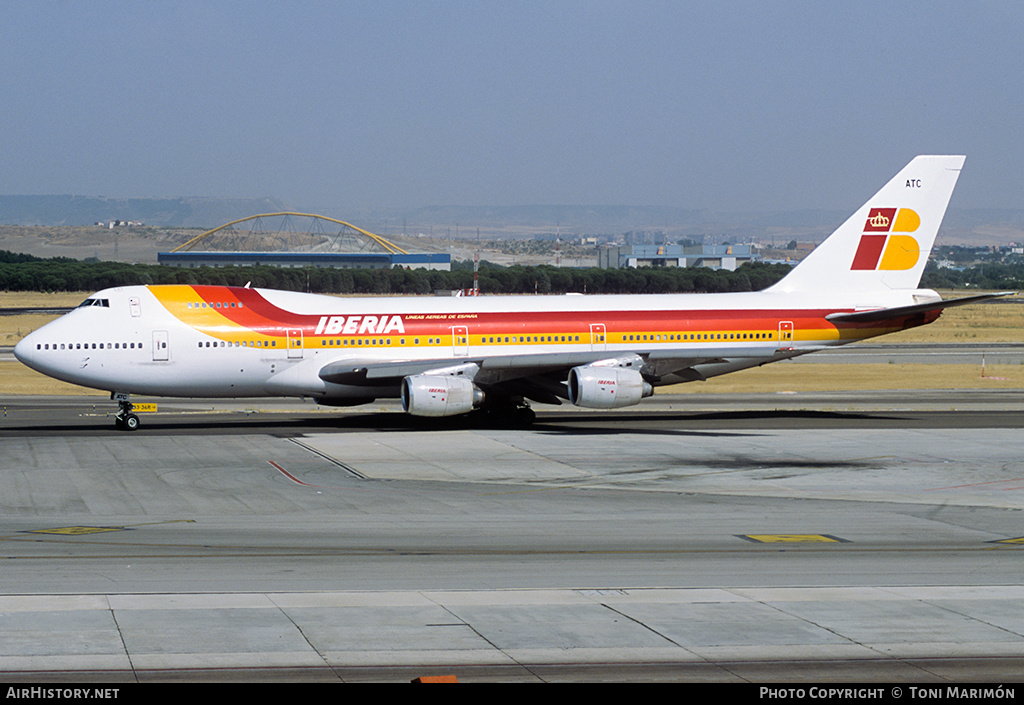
{"x":289,"y":475}
{"x":260,"y":316}
{"x":868,"y":252}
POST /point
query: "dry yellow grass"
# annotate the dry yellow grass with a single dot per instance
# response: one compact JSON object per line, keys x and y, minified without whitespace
{"x":35,"y":299}
{"x":16,"y":379}
{"x":14,"y":328}
{"x":819,"y":377}
{"x":978,"y":323}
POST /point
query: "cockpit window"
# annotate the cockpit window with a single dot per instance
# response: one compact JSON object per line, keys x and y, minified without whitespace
{"x":95,"y":302}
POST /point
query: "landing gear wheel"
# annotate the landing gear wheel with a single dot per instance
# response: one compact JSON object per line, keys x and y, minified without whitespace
{"x":125,"y":419}
{"x":523,"y":417}
{"x":507,"y":415}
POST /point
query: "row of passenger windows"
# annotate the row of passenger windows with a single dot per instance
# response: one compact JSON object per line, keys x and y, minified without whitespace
{"x":487,"y":339}
{"x":497,"y":339}
{"x":484,"y":340}
{"x":372,"y":342}
{"x":218,"y":304}
{"x":237,"y":344}
{"x":698,"y":336}
{"x":89,"y":346}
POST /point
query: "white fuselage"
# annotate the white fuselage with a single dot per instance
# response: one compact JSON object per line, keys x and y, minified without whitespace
{"x":187,"y":341}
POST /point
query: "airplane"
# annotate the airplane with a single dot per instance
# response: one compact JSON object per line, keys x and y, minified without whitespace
{"x":492,"y":355}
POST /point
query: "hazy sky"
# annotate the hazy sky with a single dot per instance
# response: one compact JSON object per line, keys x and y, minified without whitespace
{"x":391,"y":103}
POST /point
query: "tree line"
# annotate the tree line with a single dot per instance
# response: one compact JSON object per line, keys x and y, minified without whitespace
{"x":989,"y":275}
{"x":20,"y":272}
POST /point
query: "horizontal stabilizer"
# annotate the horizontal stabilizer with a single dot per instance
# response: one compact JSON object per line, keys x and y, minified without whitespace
{"x":885,"y":314}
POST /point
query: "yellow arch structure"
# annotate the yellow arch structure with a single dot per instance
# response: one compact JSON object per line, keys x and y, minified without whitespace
{"x":389,"y":246}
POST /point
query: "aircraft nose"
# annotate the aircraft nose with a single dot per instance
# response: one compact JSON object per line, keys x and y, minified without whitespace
{"x":25,"y":349}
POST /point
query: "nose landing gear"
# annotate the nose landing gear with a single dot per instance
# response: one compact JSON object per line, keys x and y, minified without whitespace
{"x":124,"y":419}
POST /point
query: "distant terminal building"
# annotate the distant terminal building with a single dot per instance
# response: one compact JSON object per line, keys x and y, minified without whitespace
{"x":339,"y":260}
{"x":111,"y":224}
{"x":711,"y":256}
{"x":273,"y":239}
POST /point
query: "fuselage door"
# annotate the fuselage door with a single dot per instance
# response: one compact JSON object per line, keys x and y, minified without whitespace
{"x":785,"y":331}
{"x":160,"y":351}
{"x":294,"y":343}
{"x":460,"y":341}
{"x":135,"y":306}
{"x":598,"y":337}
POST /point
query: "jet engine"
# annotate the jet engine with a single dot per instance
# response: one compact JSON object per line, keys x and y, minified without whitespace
{"x":600,"y":387}
{"x":439,"y":395}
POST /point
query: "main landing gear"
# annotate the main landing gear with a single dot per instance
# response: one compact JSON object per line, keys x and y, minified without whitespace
{"x":506,"y":413}
{"x":124,"y":419}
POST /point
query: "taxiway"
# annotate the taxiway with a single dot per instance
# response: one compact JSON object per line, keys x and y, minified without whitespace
{"x":750,"y":537}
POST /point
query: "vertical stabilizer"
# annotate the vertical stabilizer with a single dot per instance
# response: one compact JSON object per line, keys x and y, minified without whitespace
{"x":886,"y":243}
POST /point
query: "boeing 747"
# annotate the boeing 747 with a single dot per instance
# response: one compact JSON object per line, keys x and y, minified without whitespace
{"x":451,"y":356}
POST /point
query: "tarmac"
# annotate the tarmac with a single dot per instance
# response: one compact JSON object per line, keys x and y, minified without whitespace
{"x":871,"y":537}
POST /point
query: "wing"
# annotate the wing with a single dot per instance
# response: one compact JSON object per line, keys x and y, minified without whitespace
{"x":541,"y":377}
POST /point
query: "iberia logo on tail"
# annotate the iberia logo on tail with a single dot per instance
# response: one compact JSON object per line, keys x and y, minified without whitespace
{"x":883,"y":244}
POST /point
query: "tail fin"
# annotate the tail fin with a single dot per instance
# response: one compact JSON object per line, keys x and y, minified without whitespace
{"x":886,"y":243}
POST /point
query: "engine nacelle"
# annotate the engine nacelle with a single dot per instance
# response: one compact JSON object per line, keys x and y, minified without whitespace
{"x":599,"y":387}
{"x":439,"y":395}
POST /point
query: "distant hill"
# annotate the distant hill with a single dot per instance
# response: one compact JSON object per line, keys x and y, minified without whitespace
{"x":967,"y":226}
{"x":165,"y":212}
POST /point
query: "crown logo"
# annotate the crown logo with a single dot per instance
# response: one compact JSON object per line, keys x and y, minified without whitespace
{"x":879,"y":221}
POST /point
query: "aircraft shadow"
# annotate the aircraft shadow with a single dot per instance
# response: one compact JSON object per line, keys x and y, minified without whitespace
{"x":723,"y":423}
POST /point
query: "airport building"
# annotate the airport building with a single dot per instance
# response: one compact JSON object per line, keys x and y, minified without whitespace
{"x":711,"y":256}
{"x":246,"y":242}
